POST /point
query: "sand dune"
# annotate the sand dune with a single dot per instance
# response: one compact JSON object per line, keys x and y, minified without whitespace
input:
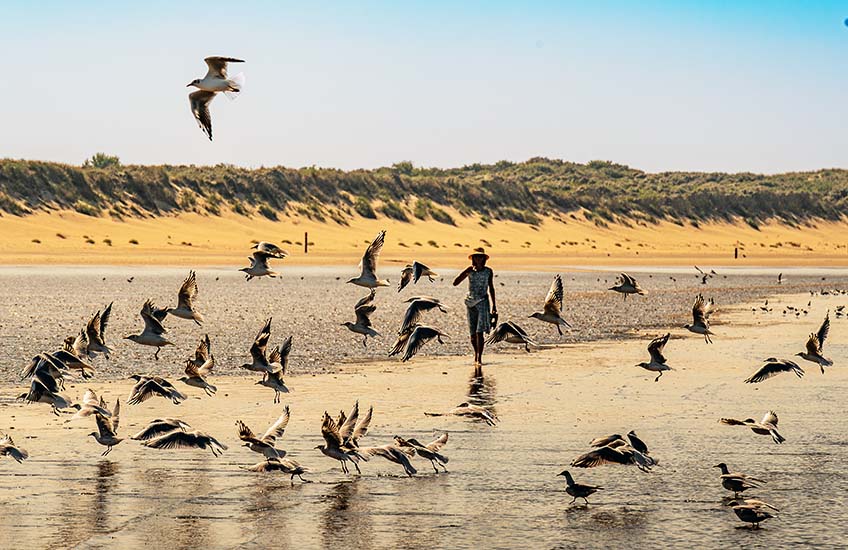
{"x":194,"y":240}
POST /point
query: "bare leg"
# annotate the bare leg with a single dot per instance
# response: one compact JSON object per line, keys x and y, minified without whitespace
{"x":474,"y":345}
{"x":480,"y":344}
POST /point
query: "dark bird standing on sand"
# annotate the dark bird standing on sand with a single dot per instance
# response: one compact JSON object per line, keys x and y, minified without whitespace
{"x":737,"y":481}
{"x":578,"y":490}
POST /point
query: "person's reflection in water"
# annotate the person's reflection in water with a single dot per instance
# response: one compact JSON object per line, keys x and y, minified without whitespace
{"x":482,"y":390}
{"x":347,"y":521}
{"x":268,"y":510}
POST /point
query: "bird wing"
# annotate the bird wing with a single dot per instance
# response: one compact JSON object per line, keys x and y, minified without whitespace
{"x":369,"y":259}
{"x":700,"y":312}
{"x":420,"y":336}
{"x":244,"y":431}
{"x":599,"y":456}
{"x":501,"y":333}
{"x":773,"y":368}
{"x":655,"y":348}
{"x":92,"y":329}
{"x":330,"y":432}
{"x":606,"y":440}
{"x":770,"y":418}
{"x":158,"y":427}
{"x":732,"y":422}
{"x":362,"y":315}
{"x":438,"y":443}
{"x":553,"y":301}
{"x":347,"y":427}
{"x":366,"y":300}
{"x":199,"y":102}
{"x":413,"y":313}
{"x":218,"y":66}
{"x":192,"y":370}
{"x":176,"y":439}
{"x":201,"y":354}
{"x":90,"y":398}
{"x":420,"y":270}
{"x":824,"y":330}
{"x":277,"y":428}
{"x":104,"y":321}
{"x":145,"y":389}
{"x":260,"y":259}
{"x":151,"y":323}
{"x":637,"y":443}
{"x":402,"y":338}
{"x":188,"y":292}
{"x":362,"y":426}
{"x":285,"y":350}
{"x":257,"y":349}
{"x":405,"y":277}
{"x":116,"y":416}
{"x":813,"y":344}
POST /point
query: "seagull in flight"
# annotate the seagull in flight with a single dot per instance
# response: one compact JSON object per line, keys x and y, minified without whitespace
{"x":552,"y":310}
{"x":368,"y":265}
{"x":657,"y":363}
{"x":815,"y":344}
{"x":215,"y":81}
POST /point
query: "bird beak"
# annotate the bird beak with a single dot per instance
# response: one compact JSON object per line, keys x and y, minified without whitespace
{"x":189,"y":84}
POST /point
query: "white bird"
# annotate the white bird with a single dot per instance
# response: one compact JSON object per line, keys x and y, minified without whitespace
{"x":552,"y":310}
{"x":701,"y":311}
{"x":259,"y":265}
{"x":215,"y":81}
{"x":773,"y":367}
{"x":368,"y":265}
{"x":91,"y":405}
{"x":815,"y":344}
{"x":185,"y":301}
{"x":363,"y":309}
{"x":512,"y":333}
{"x":657,"y":363}
{"x":153,"y":333}
{"x":626,"y":284}
{"x":271,"y":249}
{"x":412,"y":272}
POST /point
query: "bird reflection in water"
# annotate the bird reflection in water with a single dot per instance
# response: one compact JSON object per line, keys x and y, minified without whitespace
{"x":104,"y":483}
{"x":347,"y":520}
{"x":482,"y":390}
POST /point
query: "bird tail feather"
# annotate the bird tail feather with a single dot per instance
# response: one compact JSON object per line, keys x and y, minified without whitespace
{"x":236,"y":82}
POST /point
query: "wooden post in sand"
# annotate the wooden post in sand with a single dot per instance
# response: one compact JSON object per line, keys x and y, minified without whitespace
{"x":306,"y":242}
{"x":736,"y":253}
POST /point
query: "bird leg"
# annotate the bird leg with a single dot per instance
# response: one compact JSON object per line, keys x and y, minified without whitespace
{"x":358,"y":471}
{"x":156,"y":355}
{"x":365,"y":341}
{"x":572,"y":500}
{"x":344,"y":467}
{"x":657,"y":379}
{"x":559,"y":330}
{"x":433,"y":463}
{"x":585,"y":499}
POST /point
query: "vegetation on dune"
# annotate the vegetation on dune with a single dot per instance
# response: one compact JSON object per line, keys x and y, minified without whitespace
{"x":521,"y":192}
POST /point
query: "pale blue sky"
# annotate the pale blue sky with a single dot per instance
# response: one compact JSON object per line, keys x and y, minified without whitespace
{"x":730,"y":86}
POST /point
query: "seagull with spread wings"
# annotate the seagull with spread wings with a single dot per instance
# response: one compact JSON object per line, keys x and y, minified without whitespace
{"x":773,"y":367}
{"x":412,"y":272}
{"x":815,"y":344}
{"x":107,"y":428}
{"x":259,"y":264}
{"x":658,"y":360}
{"x":368,"y":265}
{"x":257,"y":350}
{"x":8,"y":448}
{"x":178,"y":439}
{"x":93,"y":335}
{"x":153,"y":333}
{"x":428,"y":452}
{"x":701,"y":311}
{"x":552,"y":310}
{"x":416,"y":308}
{"x":185,"y":301}
{"x":419,"y":336}
{"x":153,"y":386}
{"x":363,"y":310}
{"x":341,"y":438}
{"x":196,"y":377}
{"x":160,"y":426}
{"x":265,"y":445}
{"x":278,"y":360}
{"x":512,"y":333}
{"x":625,"y":284}
{"x":215,"y":81}
{"x":767,"y":426}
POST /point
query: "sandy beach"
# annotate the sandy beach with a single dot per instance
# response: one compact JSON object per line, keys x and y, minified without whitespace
{"x":194,"y":240}
{"x":501,"y":489}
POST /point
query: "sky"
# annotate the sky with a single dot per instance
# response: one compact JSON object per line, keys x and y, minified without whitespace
{"x":707,"y":86}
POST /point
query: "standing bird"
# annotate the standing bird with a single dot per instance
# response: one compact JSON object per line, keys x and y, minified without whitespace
{"x":626,"y":284}
{"x":411,"y":273}
{"x":701,"y":311}
{"x":418,"y":337}
{"x":363,"y":309}
{"x":429,"y":452}
{"x":215,"y":81}
{"x":773,"y":367}
{"x":335,"y":447}
{"x":153,"y":333}
{"x":737,"y":481}
{"x":578,"y":490}
{"x":657,"y":363}
{"x":512,"y":333}
{"x":753,"y":512}
{"x":257,"y":350}
{"x":107,"y":428}
{"x":8,"y":448}
{"x":185,"y":301}
{"x":815,"y":345}
{"x":265,"y":445}
{"x":552,"y":310}
{"x":368,"y":265}
{"x":768,"y":425}
{"x":274,"y":378}
{"x":259,"y":265}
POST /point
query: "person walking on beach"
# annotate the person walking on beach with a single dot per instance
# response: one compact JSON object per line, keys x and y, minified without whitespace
{"x":480,"y":287}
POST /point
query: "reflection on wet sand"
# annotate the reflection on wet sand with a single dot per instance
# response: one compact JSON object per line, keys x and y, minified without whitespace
{"x":347,"y":522}
{"x":482,"y":390}
{"x":105,"y":481}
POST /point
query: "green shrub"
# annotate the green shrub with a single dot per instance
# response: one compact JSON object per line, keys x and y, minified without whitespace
{"x":362,"y":206}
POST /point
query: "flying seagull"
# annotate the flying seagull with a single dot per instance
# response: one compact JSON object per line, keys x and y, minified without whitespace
{"x":418,"y":337}
{"x":737,"y":481}
{"x":8,"y":448}
{"x":552,"y":310}
{"x":773,"y":367}
{"x":701,"y":311}
{"x":626,"y":284}
{"x":368,"y":265}
{"x":153,"y":333}
{"x":768,"y":425}
{"x":411,"y":274}
{"x":185,"y":301}
{"x":215,"y":81}
{"x":107,"y":426}
{"x":512,"y":333}
{"x":363,"y":309}
{"x":815,"y":344}
{"x":264,"y":445}
{"x":657,"y":363}
{"x":259,"y":265}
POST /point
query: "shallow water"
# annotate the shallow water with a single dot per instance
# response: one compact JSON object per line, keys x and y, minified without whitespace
{"x":502,"y":490}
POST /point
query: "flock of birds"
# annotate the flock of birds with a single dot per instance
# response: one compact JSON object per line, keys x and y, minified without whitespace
{"x":342,"y":435}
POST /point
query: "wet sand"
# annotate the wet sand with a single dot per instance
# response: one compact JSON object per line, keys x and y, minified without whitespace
{"x":502,"y":490}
